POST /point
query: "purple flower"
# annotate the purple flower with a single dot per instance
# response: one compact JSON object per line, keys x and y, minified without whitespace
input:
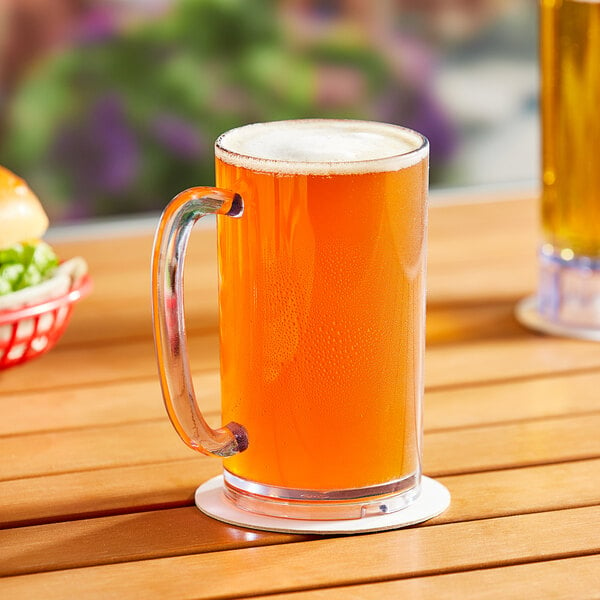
{"x":97,"y":25}
{"x":420,"y":110}
{"x":430,"y":118}
{"x":114,"y":142}
{"x":178,"y":136}
{"x":99,"y":152}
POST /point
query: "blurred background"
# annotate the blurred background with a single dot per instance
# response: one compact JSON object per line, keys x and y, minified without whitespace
{"x":110,"y":107}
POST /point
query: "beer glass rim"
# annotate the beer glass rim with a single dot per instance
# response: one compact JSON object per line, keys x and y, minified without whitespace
{"x":384,"y":163}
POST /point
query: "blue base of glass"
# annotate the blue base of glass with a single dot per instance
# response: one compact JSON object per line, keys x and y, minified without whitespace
{"x":568,"y":299}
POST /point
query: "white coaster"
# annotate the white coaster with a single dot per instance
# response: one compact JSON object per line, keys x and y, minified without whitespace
{"x":527,"y":314}
{"x":432,"y":501}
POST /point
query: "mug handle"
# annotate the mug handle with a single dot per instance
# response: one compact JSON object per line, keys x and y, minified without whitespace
{"x":168,"y":255}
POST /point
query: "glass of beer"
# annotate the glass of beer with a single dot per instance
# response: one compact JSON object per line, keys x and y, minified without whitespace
{"x":568,"y":298}
{"x":321,"y":229}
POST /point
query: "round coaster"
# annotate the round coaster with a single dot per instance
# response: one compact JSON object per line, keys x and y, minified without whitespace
{"x":527,"y":314}
{"x":432,"y":501}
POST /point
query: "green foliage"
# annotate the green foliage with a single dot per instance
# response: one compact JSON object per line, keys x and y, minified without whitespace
{"x":121,"y":124}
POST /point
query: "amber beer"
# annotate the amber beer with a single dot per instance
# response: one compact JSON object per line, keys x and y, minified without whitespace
{"x":322,"y":305}
{"x":570,"y":65}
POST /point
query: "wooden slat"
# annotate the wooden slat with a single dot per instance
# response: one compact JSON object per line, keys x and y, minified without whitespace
{"x":519,"y":444}
{"x":470,"y":305}
{"x":506,"y":281}
{"x":445,"y":452}
{"x":496,"y":360}
{"x":124,"y":297}
{"x":68,"y":366}
{"x":109,"y":540}
{"x":497,"y":270}
{"x":448,"y":223}
{"x":492,"y":304}
{"x":101,"y":492}
{"x":457,"y":323}
{"x":90,"y":448}
{"x":119,"y":306}
{"x":104,"y":253}
{"x":521,"y":491}
{"x":130,"y":308}
{"x":557,"y":579}
{"x":481,"y":361}
{"x":510,"y":218}
{"x":330,"y":562}
{"x":154,"y":534}
{"x":140,"y":400}
{"x":115,"y":283}
{"x":451,"y":259}
{"x":133,"y":489}
{"x":504,"y":402}
{"x":97,"y":405}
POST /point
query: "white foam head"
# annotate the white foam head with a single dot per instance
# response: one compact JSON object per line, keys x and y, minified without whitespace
{"x":321,"y":147}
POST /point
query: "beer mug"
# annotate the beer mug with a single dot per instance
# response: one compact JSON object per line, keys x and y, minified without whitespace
{"x":568,"y":296}
{"x":321,"y":228}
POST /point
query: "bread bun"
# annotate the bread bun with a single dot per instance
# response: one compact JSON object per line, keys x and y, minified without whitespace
{"x":21,"y":214}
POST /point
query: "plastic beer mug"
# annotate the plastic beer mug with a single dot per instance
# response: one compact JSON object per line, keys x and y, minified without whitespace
{"x":321,"y":228}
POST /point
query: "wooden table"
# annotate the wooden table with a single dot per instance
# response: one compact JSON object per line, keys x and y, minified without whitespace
{"x":96,"y":489}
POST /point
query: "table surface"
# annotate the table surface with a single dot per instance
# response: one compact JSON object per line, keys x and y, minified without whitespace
{"x":96,"y":489}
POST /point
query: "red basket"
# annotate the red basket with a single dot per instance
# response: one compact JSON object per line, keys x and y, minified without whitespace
{"x":32,"y":330}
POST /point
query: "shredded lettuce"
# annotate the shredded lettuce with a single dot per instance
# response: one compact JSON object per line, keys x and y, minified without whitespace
{"x":25,"y":264}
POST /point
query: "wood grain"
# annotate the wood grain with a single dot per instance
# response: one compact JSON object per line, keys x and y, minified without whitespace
{"x":469,"y":363}
{"x":449,"y":452}
{"x":331,"y":562}
{"x":104,"y":491}
{"x":123,"y":538}
{"x":126,"y":401}
{"x":95,"y":405}
{"x":169,"y":532}
{"x":96,"y":490}
{"x":557,"y":579}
